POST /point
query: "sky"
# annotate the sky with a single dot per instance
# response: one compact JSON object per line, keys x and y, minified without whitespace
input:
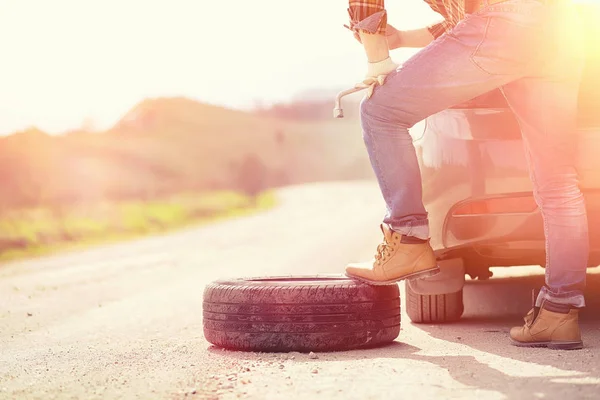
{"x":70,"y":62}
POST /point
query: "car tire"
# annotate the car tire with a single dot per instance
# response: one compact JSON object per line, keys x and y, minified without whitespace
{"x":433,"y":309}
{"x":306,"y":313}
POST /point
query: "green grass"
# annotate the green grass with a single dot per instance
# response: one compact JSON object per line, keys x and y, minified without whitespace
{"x":34,"y":232}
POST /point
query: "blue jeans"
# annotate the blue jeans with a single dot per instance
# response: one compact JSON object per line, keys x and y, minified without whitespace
{"x":528,"y":49}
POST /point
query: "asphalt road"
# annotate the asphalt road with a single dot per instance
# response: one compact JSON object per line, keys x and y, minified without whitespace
{"x":125,"y":320}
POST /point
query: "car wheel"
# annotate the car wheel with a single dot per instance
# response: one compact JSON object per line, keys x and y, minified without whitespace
{"x":307,"y":313}
{"x":433,"y":308}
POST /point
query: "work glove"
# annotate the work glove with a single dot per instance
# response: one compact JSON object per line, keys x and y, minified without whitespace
{"x":376,"y":74}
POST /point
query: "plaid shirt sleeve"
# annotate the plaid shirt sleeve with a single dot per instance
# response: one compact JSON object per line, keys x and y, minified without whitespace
{"x":367,"y":15}
{"x":439,"y":28}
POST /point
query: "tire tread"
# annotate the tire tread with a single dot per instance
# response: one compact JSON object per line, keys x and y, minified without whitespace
{"x":248,"y":315}
{"x":434,"y":308}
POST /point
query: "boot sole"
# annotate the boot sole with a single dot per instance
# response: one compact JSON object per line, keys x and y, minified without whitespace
{"x":550,"y":345}
{"x":415,"y":275}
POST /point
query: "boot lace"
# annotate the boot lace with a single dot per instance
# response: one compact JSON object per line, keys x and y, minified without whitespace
{"x":384,"y":250}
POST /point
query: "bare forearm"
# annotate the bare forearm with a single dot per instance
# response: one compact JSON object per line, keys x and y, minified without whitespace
{"x":376,"y":46}
{"x":417,"y":38}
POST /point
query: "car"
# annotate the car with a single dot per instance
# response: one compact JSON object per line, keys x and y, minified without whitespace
{"x":478,"y":193}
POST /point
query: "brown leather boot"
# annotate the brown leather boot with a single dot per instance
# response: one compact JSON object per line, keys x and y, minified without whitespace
{"x":395,"y":261}
{"x":555,"y":326}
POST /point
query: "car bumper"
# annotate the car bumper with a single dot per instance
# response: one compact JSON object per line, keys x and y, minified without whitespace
{"x":477,"y":190}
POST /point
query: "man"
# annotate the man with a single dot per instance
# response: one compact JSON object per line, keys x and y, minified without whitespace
{"x":529,"y":49}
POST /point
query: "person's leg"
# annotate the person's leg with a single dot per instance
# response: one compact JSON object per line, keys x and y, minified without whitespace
{"x":449,"y":71}
{"x":546,"y":107}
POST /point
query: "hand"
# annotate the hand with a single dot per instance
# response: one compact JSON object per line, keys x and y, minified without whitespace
{"x":391,"y":34}
{"x":376,"y":74}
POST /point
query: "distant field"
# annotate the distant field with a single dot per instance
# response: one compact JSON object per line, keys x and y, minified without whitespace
{"x":39,"y":231}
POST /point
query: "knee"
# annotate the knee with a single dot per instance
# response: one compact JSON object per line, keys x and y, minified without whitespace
{"x":373,"y":110}
{"x":379,"y":112}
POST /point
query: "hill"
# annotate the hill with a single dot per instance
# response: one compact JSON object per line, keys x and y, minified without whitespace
{"x":170,"y":145}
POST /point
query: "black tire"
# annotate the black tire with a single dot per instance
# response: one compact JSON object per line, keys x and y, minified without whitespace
{"x":422,"y":309}
{"x":304,"y":313}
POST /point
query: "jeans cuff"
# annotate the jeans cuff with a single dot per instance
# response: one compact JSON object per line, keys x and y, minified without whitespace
{"x":573,"y":299}
{"x":418,"y":230}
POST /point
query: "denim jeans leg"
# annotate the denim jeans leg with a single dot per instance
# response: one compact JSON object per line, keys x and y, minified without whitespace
{"x":548,"y":126}
{"x":545,"y":104}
